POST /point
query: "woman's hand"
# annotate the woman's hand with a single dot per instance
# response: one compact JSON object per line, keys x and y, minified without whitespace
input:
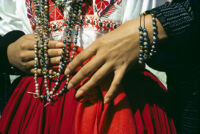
{"x":114,"y":53}
{"x":21,"y":53}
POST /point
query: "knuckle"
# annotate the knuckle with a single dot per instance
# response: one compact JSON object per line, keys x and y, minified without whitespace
{"x":29,"y":36}
{"x":117,"y":84}
{"x":94,"y":80}
{"x":109,"y":96}
{"x":25,"y":65}
{"x":51,"y":44}
{"x":79,"y":58}
{"x":84,"y":72}
{"x":69,"y":67}
{"x":84,"y":88}
{"x":53,"y":60}
{"x":22,"y":56}
{"x":22,"y":46}
{"x":49,"y":51}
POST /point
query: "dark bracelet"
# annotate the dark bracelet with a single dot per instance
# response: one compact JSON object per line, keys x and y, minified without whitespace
{"x":147,"y":49}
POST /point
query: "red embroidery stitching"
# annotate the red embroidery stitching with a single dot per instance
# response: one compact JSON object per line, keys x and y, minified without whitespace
{"x":56,"y":16}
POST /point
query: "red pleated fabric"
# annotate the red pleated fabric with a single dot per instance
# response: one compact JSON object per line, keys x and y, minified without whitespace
{"x":119,"y":116}
{"x":128,"y":113}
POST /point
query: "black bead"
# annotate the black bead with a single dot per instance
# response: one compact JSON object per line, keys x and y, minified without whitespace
{"x":140,"y":28}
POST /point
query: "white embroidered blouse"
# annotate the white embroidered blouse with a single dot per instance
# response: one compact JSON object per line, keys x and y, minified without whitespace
{"x":102,"y":17}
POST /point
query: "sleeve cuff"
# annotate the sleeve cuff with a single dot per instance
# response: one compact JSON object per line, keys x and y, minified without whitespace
{"x":5,"y":41}
{"x":175,"y":17}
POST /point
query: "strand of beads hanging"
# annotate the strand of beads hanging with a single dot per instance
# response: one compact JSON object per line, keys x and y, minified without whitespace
{"x":147,"y":49}
{"x":74,"y":22}
{"x":155,"y":35}
{"x":42,"y":30}
{"x":36,"y":36}
{"x":41,"y":33}
{"x":141,"y":42}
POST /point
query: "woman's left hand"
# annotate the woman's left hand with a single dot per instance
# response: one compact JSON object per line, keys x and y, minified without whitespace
{"x":114,"y":52}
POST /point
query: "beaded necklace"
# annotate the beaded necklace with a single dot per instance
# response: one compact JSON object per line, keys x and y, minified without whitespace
{"x":42,"y":34}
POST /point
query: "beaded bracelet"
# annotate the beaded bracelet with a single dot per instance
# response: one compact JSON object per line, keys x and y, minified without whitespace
{"x":155,"y":36}
{"x":147,"y":49}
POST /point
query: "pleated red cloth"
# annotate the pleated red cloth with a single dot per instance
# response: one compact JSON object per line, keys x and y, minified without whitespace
{"x":135,"y":110}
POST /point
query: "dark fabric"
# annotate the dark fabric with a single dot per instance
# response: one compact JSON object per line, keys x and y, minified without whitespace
{"x":184,"y":101}
{"x":180,"y":22}
{"x":5,"y":67}
{"x":5,"y":41}
{"x":179,"y":58}
{"x":4,"y":87}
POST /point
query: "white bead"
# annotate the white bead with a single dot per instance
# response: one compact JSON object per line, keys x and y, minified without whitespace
{"x":145,"y":34}
{"x":145,"y":43}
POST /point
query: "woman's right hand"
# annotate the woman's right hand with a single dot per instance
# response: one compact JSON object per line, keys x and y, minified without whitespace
{"x":21,"y":53}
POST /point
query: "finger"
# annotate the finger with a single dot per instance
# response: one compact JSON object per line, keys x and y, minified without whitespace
{"x":95,"y":79}
{"x":27,"y":45}
{"x":55,"y":61}
{"x":80,"y":58}
{"x":52,"y":44}
{"x":27,"y":56}
{"x":55,"y":44}
{"x":28,"y":65}
{"x":85,"y":71}
{"x":115,"y":85}
{"x":39,"y":71}
{"x":33,"y":71}
{"x":54,"y":52}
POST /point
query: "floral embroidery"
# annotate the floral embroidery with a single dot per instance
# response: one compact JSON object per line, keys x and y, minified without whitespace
{"x":101,"y":4}
{"x":31,"y":13}
{"x":55,"y":13}
{"x":98,"y":24}
{"x":105,"y":7}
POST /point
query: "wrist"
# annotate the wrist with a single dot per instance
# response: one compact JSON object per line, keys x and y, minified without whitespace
{"x":151,"y":33}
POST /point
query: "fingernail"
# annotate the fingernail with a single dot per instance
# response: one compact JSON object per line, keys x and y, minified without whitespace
{"x":106,"y":100}
{"x":67,"y":71}
{"x":69,"y":86}
{"x":59,"y":44}
{"x":78,"y":93}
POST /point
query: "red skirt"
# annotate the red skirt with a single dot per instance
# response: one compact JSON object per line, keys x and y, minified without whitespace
{"x":25,"y":114}
{"x":137,"y":109}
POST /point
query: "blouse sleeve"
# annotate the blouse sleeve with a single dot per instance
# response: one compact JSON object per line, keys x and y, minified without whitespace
{"x":180,"y":19}
{"x":5,"y":41}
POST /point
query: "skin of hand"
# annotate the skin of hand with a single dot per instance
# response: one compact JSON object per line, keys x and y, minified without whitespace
{"x":21,"y":53}
{"x":115,"y":52}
